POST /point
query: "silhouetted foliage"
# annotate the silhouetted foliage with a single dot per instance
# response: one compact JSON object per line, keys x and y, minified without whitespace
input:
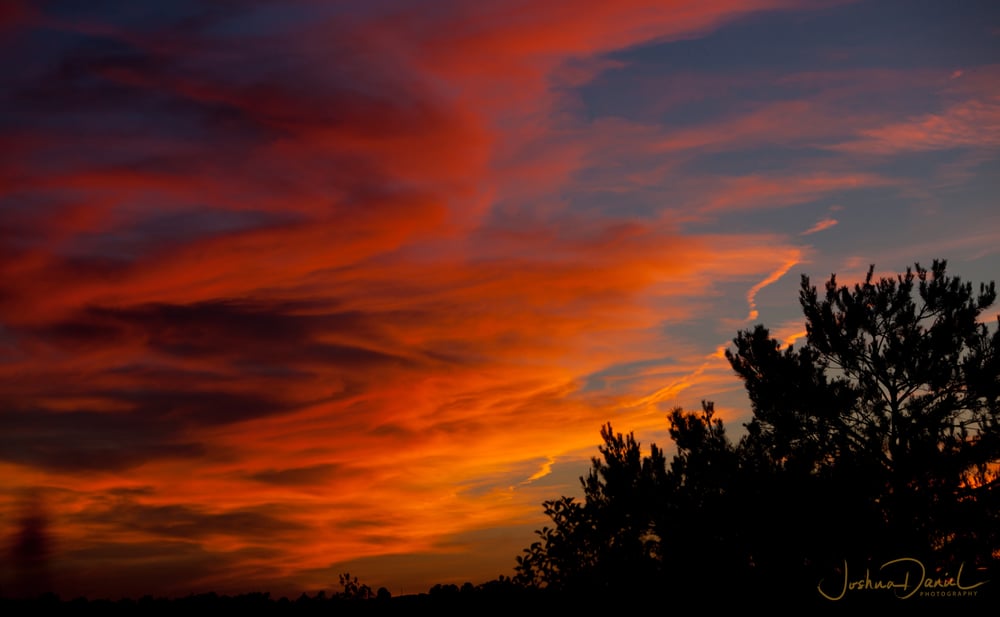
{"x":354,"y":590}
{"x":498,"y":597}
{"x":877,"y":438}
{"x":609,"y":538}
{"x":893,"y":403}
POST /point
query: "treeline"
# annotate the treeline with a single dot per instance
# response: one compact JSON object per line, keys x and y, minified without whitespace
{"x":499,"y":596}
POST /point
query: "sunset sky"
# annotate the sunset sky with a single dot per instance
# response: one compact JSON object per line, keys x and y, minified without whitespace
{"x":290,"y":288}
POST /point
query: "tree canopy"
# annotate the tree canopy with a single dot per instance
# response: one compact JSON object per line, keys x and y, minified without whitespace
{"x":877,"y":437}
{"x":898,"y":389}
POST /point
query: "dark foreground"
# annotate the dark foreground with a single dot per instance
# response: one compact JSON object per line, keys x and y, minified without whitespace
{"x":451,"y":600}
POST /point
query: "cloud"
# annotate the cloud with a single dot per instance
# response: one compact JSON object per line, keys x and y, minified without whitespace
{"x":968,"y":124}
{"x":790,"y":263}
{"x":85,"y":441}
{"x":820,"y":225}
{"x":773,"y":191}
{"x":312,"y":475}
{"x":186,"y":522}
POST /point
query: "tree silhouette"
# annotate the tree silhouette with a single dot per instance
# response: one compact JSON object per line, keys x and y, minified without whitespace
{"x":895,"y":400}
{"x":354,"y":589}
{"x":877,"y":438}
{"x":640,"y":522}
{"x":695,"y":522}
{"x":609,"y":538}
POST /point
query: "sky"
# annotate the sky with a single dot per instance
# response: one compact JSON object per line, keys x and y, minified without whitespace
{"x":302,"y":287}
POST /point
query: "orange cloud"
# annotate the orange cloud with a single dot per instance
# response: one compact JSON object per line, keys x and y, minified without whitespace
{"x":773,"y":191}
{"x":792,"y":261}
{"x":969,"y":124}
{"x":820,"y":225}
